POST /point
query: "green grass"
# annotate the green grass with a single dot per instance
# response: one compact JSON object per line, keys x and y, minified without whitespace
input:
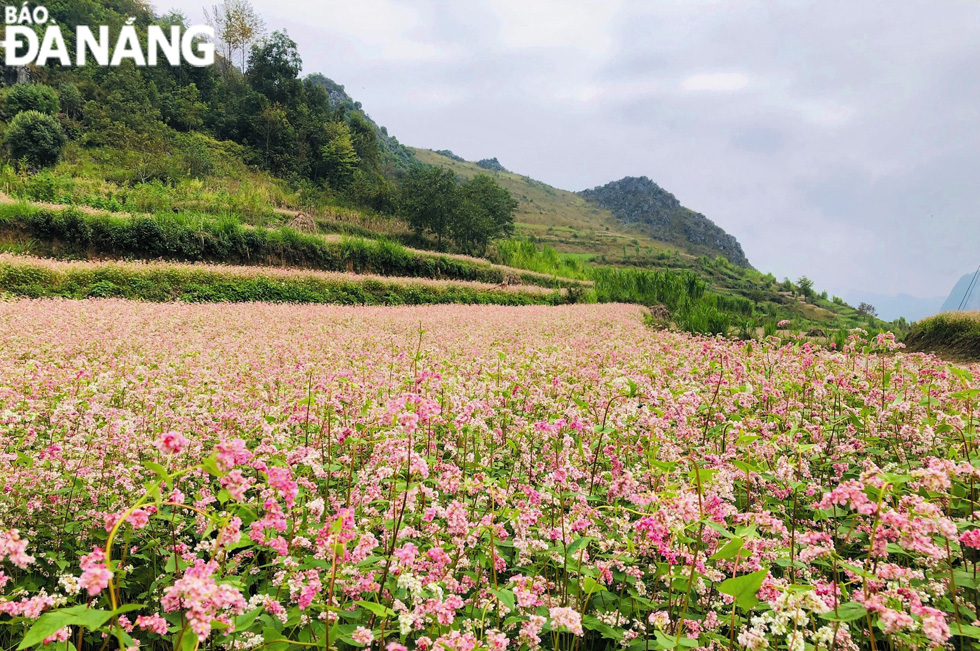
{"x":161,"y":282}
{"x":953,"y":335}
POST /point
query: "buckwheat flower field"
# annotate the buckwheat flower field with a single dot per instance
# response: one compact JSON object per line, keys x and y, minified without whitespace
{"x":458,"y":478}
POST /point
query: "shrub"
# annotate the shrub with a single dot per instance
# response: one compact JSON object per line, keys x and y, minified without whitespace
{"x":104,"y":289}
{"x":32,"y":97}
{"x":35,"y":137}
{"x":705,"y":318}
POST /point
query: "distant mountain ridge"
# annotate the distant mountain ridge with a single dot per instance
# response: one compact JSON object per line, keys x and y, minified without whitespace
{"x":959,"y":291}
{"x":641,"y":202}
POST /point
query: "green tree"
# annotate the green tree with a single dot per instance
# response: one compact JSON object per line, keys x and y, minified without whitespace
{"x":431,"y":201}
{"x":35,"y":137}
{"x":364,"y":138}
{"x":273,"y":69}
{"x":124,"y":96}
{"x":184,"y":109}
{"x":867,"y":310}
{"x":32,"y":97}
{"x":806,"y":288}
{"x":338,"y":157}
{"x":487,"y":213}
{"x":276,"y":138}
{"x":71,"y":100}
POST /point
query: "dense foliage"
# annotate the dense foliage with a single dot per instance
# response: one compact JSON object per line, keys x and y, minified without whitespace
{"x":261,"y":476}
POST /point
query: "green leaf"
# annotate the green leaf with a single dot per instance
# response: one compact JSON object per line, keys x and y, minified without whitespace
{"x":46,"y":625}
{"x":846,"y":612}
{"x":744,"y":467}
{"x":376,"y":608}
{"x":506,"y":597}
{"x":158,"y":469}
{"x":664,"y":642}
{"x":153,"y":490}
{"x":274,"y":640}
{"x":590,"y":585}
{"x":576,"y":545}
{"x":51,"y":622}
{"x":242,"y":622}
{"x":965,"y":630}
{"x":189,"y":641}
{"x":92,"y":619}
{"x":744,"y":588}
{"x":720,"y":529}
{"x":592,"y":623}
{"x":728,"y":551}
{"x":856,"y":570}
{"x":703,"y":475}
{"x":211,"y":465}
{"x":966,"y":394}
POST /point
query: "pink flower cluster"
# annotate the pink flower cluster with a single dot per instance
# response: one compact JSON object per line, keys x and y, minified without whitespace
{"x":202,"y":599}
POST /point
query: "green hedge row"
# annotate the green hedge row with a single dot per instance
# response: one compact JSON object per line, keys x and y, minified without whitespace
{"x":73,"y":233}
{"x":171,"y":283}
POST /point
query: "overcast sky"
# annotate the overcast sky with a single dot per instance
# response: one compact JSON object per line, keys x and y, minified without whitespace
{"x":835,"y":139}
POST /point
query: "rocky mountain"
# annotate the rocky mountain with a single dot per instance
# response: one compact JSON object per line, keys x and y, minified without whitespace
{"x":491,"y":164}
{"x":450,"y":155}
{"x":638,"y":201}
{"x":961,"y":289}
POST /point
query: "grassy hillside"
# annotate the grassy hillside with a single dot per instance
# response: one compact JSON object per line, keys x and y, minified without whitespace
{"x":951,"y":335}
{"x":561,"y":233}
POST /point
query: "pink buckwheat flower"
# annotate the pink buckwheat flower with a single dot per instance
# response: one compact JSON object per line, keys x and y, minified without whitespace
{"x":14,"y":547}
{"x":172,"y":443}
{"x":152,"y":623}
{"x":567,"y":618}
{"x":202,"y":598}
{"x":95,"y":576}
{"x":971,"y":538}
{"x":362,"y":636}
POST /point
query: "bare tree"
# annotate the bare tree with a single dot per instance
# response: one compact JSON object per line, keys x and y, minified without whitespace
{"x":236,"y":26}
